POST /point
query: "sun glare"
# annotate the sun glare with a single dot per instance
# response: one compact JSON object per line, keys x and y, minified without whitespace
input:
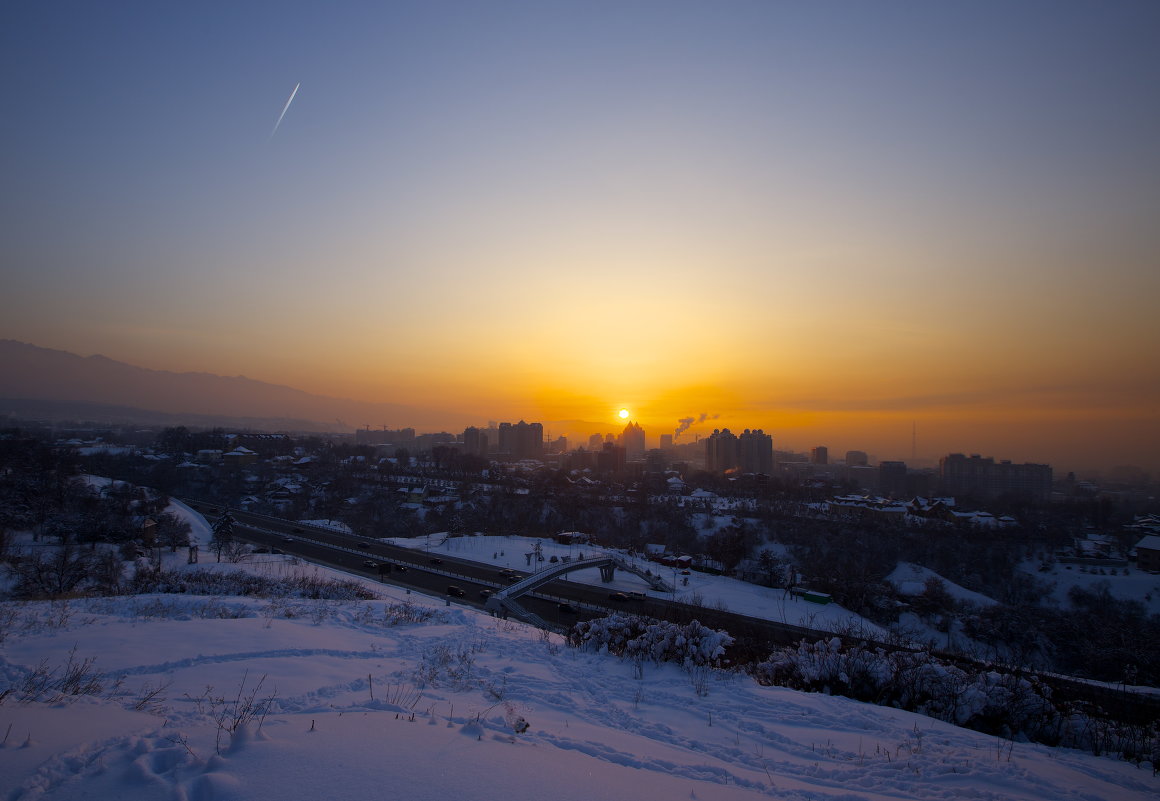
{"x":623,"y":414}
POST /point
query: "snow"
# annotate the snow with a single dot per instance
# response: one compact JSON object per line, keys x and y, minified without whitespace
{"x":703,"y":589}
{"x":910,"y":579}
{"x":365,"y":705}
{"x":1151,"y":541}
{"x":199,"y":529}
{"x":1137,"y":585}
{"x":332,"y":525}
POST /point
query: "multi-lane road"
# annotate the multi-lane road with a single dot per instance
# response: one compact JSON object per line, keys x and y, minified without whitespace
{"x":435,"y":574}
{"x":561,"y":602}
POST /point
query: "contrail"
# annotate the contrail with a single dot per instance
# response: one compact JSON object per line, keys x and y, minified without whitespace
{"x":284,"y":109}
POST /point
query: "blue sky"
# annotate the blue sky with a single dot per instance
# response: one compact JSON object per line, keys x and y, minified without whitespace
{"x":745,"y":207}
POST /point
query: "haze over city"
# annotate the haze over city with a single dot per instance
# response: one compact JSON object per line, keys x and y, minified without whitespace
{"x":846,"y":224}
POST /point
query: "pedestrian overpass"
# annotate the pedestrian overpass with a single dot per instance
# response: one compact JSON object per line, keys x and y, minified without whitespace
{"x":504,"y":603}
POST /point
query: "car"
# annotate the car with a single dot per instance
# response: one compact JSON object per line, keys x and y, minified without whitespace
{"x":617,"y":596}
{"x":363,"y":545}
{"x":400,"y":568}
{"x":485,"y":594}
{"x":261,"y":550}
{"x":636,"y":596}
{"x":297,"y":531}
{"x":276,"y":550}
{"x":507,"y":571}
{"x":288,"y":539}
{"x":567,"y":609}
{"x":372,"y":565}
{"x":456,"y":591}
{"x":685,"y":573}
{"x":435,"y":560}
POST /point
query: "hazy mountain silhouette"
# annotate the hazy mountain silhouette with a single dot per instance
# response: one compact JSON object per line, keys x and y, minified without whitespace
{"x":66,"y":381}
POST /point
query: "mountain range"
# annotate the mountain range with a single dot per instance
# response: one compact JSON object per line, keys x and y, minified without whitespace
{"x":42,"y":383}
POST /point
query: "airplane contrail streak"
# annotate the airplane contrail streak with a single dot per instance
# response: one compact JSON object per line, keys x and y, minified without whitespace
{"x":284,"y":109}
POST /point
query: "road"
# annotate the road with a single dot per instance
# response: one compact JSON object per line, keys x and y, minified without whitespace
{"x":403,"y":567}
{"x":433,"y":575}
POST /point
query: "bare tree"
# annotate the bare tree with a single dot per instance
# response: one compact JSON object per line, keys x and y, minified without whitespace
{"x":53,"y":572}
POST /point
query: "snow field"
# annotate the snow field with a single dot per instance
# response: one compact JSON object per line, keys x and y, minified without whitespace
{"x":361,"y":702}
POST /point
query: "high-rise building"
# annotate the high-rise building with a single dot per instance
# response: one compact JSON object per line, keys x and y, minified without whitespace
{"x":595,"y":442}
{"x":610,"y":458}
{"x":820,"y":455}
{"x":632,"y":439}
{"x":960,"y":475}
{"x":666,"y":442}
{"x":892,"y":479}
{"x":522,"y":440}
{"x":755,"y":452}
{"x":474,"y":441}
{"x":721,"y":451}
{"x":857,"y":459}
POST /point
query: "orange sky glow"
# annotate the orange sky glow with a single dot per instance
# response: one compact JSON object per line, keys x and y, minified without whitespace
{"x":936,"y":219}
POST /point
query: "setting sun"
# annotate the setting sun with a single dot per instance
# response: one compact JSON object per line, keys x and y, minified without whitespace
{"x":623,"y":414}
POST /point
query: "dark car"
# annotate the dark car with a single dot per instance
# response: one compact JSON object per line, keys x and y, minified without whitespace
{"x":435,"y":560}
{"x":401,"y":568}
{"x":363,"y":545}
{"x":370,"y":564}
{"x":456,"y":591}
{"x":567,"y":609}
{"x":297,"y":531}
{"x":617,"y":596}
{"x":485,"y":594}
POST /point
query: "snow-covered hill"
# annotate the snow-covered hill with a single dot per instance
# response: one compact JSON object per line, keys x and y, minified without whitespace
{"x":701,"y":589}
{"x":408,"y":697}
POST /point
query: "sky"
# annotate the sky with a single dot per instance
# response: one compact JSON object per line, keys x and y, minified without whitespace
{"x":841,"y":222}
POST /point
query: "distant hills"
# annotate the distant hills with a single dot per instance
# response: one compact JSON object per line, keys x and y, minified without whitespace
{"x":41,"y":383}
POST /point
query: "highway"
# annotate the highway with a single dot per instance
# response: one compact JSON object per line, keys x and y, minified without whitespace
{"x":433,"y":575}
{"x":403,"y":567}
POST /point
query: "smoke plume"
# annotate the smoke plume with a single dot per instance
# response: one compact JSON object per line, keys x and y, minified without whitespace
{"x":685,"y":423}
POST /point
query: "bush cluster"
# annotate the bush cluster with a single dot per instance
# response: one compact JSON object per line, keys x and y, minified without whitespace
{"x":206,"y":582}
{"x":1004,"y":704}
{"x":644,"y":639}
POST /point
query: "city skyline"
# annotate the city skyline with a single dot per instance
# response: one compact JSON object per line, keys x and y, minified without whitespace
{"x":838,"y":223}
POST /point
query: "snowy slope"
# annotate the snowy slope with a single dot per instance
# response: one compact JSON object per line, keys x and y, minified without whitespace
{"x":702,"y":589}
{"x":910,"y":579}
{"x":363,"y":707}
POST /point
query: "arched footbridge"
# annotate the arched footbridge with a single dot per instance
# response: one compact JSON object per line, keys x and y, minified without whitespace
{"x":504,"y":603}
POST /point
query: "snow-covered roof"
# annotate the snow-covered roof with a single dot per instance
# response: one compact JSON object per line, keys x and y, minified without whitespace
{"x":1151,"y":543}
